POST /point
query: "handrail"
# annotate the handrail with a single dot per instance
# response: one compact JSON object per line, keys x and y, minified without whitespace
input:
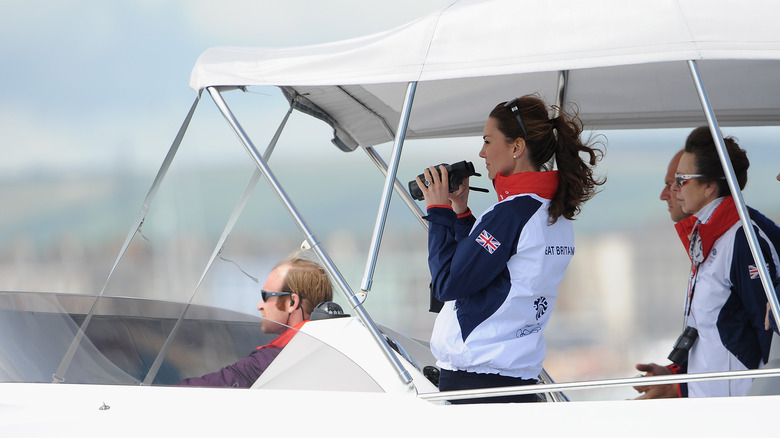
{"x":600,"y":384}
{"x":557,"y":396}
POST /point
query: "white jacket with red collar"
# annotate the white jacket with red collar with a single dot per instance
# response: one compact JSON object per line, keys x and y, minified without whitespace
{"x":728,"y":304}
{"x":498,"y":276}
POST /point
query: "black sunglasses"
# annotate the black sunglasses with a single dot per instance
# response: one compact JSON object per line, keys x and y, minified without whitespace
{"x":512,"y":105}
{"x":265,"y":295}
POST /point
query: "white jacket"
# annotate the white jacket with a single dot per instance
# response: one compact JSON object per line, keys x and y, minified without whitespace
{"x":499,"y":283}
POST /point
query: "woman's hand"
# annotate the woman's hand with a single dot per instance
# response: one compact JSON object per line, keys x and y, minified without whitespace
{"x":437,"y":192}
{"x":460,"y":198}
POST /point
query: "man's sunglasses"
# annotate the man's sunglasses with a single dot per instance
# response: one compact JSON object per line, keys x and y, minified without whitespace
{"x":265,"y":295}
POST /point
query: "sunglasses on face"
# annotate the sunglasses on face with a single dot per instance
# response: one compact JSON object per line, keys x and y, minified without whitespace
{"x":265,"y":295}
{"x":682,"y":178}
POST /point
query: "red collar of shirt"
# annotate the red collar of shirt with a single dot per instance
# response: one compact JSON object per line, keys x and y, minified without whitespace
{"x":544,"y":184}
{"x":283,"y":339}
{"x":724,"y":216}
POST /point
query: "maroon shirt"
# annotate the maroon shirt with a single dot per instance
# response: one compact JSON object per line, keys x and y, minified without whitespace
{"x":245,"y":372}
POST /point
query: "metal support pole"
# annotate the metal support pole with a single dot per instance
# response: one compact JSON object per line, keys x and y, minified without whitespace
{"x":356,"y":305}
{"x":556,"y":396}
{"x":237,"y":210}
{"x":563,"y":82}
{"x":388,"y":189}
{"x":399,"y":188}
{"x":560,"y":99}
{"x":59,"y":375}
{"x":600,"y":384}
{"x":728,"y":170}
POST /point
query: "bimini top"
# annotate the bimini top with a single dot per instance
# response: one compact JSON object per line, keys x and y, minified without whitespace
{"x":625,"y":61}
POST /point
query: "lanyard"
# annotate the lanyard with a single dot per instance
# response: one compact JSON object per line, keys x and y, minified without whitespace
{"x":689,"y":295}
{"x":695,"y":251}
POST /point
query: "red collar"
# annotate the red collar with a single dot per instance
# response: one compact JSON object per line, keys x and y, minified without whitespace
{"x":724,"y":216}
{"x":544,"y":184}
{"x":283,"y":339}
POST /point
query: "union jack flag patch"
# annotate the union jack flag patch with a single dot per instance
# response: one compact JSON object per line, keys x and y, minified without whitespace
{"x":753,"y":271}
{"x":487,"y":241}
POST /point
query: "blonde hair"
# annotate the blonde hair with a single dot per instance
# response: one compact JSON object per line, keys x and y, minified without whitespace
{"x":309,"y":280}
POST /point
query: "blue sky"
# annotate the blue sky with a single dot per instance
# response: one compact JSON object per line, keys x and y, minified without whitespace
{"x":84,"y":78}
{"x":89,"y":84}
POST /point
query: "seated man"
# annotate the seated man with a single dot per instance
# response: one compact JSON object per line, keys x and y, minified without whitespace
{"x":290,"y":293}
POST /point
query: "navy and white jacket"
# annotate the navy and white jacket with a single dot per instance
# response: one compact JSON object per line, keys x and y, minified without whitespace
{"x":498,"y":277}
{"x":728,"y":304}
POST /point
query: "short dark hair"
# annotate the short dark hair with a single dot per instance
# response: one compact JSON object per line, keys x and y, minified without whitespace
{"x":707,"y":162}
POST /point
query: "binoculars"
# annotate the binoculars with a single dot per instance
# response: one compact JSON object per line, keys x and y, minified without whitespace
{"x":457,"y":173}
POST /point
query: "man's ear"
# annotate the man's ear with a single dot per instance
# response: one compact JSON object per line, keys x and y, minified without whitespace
{"x":294,"y":299}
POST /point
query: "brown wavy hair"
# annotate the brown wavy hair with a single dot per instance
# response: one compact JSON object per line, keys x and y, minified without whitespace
{"x":555,"y":139}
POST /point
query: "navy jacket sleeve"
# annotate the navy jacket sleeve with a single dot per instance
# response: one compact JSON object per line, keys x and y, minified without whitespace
{"x":460,"y":265}
{"x":772,"y":231}
{"x":750,"y":342}
{"x":461,"y":229}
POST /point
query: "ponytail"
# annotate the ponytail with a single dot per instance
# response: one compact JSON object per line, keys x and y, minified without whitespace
{"x":576,"y":183}
{"x":554,"y":140}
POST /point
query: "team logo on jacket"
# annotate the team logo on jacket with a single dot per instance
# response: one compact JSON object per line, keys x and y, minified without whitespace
{"x":540,"y":304}
{"x":528,"y":329}
{"x":753,"y":271}
{"x":487,"y":241}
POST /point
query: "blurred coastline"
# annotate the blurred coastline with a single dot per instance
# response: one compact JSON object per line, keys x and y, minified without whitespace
{"x":619,"y":304}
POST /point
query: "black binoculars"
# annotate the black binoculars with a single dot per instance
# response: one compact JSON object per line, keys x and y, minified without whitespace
{"x":679,"y":354}
{"x":457,"y":173}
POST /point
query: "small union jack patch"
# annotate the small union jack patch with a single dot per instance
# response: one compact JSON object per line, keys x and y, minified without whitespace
{"x":753,"y":271}
{"x":488,"y":242}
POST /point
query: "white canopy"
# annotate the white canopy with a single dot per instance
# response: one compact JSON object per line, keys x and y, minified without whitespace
{"x":626,"y":64}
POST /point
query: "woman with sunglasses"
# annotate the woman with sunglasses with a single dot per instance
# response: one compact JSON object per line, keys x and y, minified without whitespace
{"x":726,"y":306}
{"x":496,"y":277}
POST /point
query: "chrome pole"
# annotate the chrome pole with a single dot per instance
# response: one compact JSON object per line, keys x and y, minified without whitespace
{"x":560,"y":99}
{"x":728,"y":169}
{"x":356,"y":305}
{"x":399,"y":188}
{"x":600,"y":384}
{"x":59,"y":375}
{"x":556,"y":396}
{"x":387,"y":192}
{"x":563,"y":82}
{"x":231,"y":223}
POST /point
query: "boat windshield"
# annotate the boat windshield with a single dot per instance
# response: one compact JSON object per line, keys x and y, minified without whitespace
{"x":125,"y":335}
